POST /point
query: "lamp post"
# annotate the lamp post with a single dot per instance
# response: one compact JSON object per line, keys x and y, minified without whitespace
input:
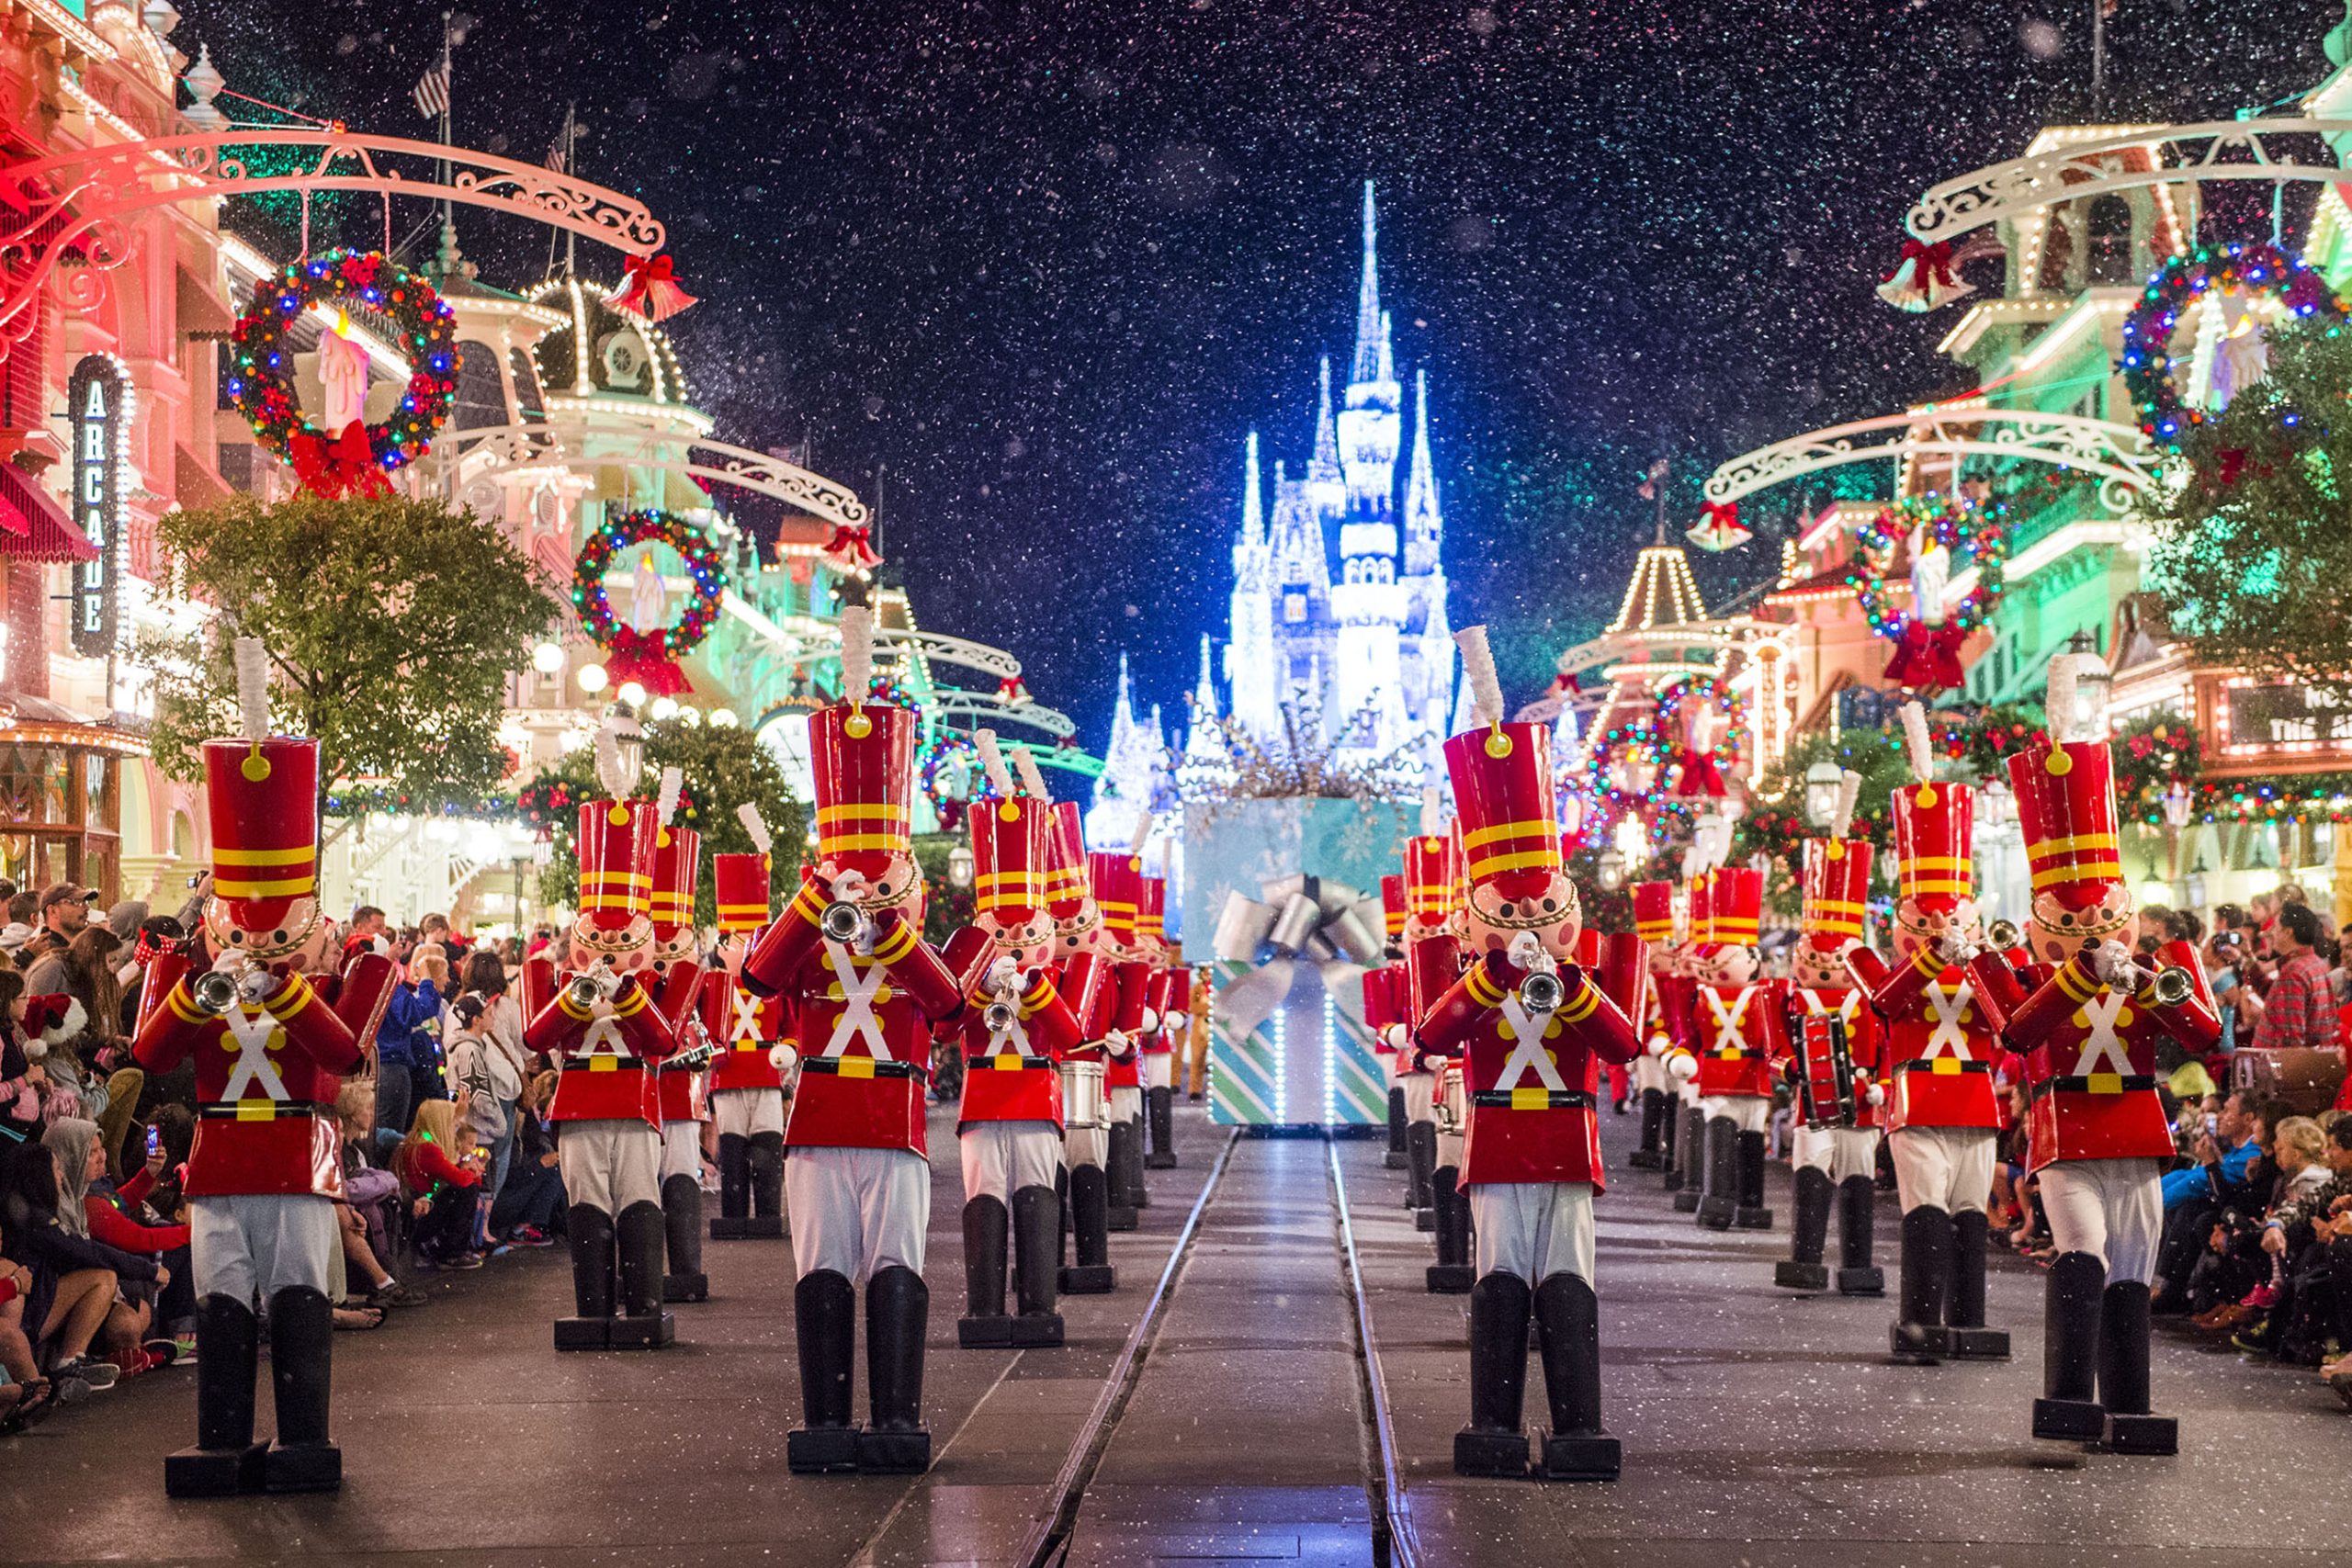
{"x":960,"y":866}
{"x":2093,"y":681}
{"x":2176,"y":804}
{"x":1823,"y":782}
{"x":1612,"y":869}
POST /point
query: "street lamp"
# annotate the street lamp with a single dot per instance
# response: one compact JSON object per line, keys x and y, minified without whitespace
{"x":1612,"y":869}
{"x":960,"y":866}
{"x":2177,"y":804}
{"x":2000,"y":804}
{"x":629,"y":741}
{"x":1825,"y":782}
{"x":2093,"y":681}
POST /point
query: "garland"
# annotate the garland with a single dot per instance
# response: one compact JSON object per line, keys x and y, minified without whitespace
{"x":1701,"y":774}
{"x":952,"y":746}
{"x":2258,"y":271}
{"x":353,"y":460}
{"x":1926,"y":657}
{"x":651,"y":659}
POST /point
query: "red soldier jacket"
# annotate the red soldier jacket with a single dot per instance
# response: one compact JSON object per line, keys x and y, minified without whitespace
{"x":682,"y":1090}
{"x":2090,"y":1051}
{"x":1852,"y":1008}
{"x":1011,"y":1069}
{"x":1090,"y":987}
{"x":605,"y":1050}
{"x":1937,"y":1055}
{"x":1732,"y":1034}
{"x":1134,"y":979}
{"x":266,"y":1076}
{"x":1532,"y":1078}
{"x":752,"y":1027}
{"x":1433,"y":967}
{"x":1176,"y":1006}
{"x":1385,"y":994}
{"x":1156,"y":1040}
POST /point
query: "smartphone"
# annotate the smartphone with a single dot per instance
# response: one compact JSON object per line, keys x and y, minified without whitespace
{"x":2212,"y":1124}
{"x":154,"y":1142}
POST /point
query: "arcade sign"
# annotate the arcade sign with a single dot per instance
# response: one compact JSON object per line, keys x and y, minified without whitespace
{"x":98,"y":404}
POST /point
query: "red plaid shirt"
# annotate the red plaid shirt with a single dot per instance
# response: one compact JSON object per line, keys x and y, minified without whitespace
{"x":2299,"y":1009}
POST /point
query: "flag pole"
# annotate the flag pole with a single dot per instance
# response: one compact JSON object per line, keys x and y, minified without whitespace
{"x":449,"y":98}
{"x":570,"y":158}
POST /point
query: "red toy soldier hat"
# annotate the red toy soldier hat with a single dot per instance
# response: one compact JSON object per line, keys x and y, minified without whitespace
{"x":1836,"y":890}
{"x":1066,"y":885}
{"x":1935,"y":826}
{"x":1117,"y":878}
{"x":1392,"y":904}
{"x":1010,"y":850}
{"x":1654,"y":911}
{"x":1502,"y":779}
{"x":262,"y":798}
{"x":1429,"y":878}
{"x":864,"y":759}
{"x":1703,"y":923}
{"x":1151,"y":910}
{"x":740,"y":885}
{"x":1735,"y":906}
{"x":2066,"y":812}
{"x":616,"y":851}
{"x":676,"y":864}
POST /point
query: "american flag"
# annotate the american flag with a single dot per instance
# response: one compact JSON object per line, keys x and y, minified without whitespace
{"x":1648,"y":491}
{"x":432,"y":93}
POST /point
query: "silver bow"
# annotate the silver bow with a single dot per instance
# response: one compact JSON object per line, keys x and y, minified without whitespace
{"x":1335,"y":927}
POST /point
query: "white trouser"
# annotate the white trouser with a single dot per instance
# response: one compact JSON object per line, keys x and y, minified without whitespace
{"x":682,"y":1149}
{"x":1649,"y":1072}
{"x":1943,"y":1168}
{"x":1388,"y":1068}
{"x":1086,"y":1146}
{"x":1841,"y":1151}
{"x":1687,"y":1091}
{"x":2112,"y":1209}
{"x":740,"y":1112}
{"x":609,"y":1165}
{"x":1421,"y":1095}
{"x":1160,"y":1071}
{"x":1449,"y":1148}
{"x":248,"y":1245}
{"x":1751,"y":1111}
{"x":1126,"y":1104}
{"x":1002,"y":1157}
{"x":855,"y":1211}
{"x":1534,"y":1229}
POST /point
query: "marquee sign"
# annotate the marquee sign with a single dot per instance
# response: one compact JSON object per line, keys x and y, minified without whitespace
{"x":2276,"y":726}
{"x":98,"y":405}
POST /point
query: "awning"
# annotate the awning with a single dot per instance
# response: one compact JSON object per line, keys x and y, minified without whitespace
{"x":33,"y":524}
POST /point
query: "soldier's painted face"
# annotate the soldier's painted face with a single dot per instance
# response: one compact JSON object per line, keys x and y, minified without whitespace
{"x":1025,"y":941}
{"x":890,"y":887}
{"x":1917,"y":926}
{"x":1724,"y":964}
{"x":1499,"y":910}
{"x":2056,"y":932}
{"x":625,"y":949}
{"x":294,"y":936}
{"x":1815,"y":966}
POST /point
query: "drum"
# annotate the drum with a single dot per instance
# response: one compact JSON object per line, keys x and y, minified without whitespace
{"x":1825,"y":1068}
{"x":1084,"y":1103}
{"x":1453,"y":1107}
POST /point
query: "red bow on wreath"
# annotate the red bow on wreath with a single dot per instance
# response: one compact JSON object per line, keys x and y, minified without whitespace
{"x":652,"y":288}
{"x":1719,"y":529}
{"x":1926,"y":659}
{"x":851,"y":549}
{"x":1699,"y":774}
{"x":346,"y":466}
{"x":1923,"y":279}
{"x":632,"y":655}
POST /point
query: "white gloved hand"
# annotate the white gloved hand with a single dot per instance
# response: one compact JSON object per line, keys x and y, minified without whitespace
{"x":1682,"y":1064}
{"x":1660,"y":1046}
{"x":1397,"y":1036}
{"x":1876,"y":1095}
{"x":2113,"y":963}
{"x":1117,"y":1042}
{"x":1953,"y":947}
{"x":782,"y":1057}
{"x":1151,"y":1021}
{"x":1004,"y":974}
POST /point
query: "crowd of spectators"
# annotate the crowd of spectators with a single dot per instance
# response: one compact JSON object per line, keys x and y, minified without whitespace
{"x":449,"y":1161}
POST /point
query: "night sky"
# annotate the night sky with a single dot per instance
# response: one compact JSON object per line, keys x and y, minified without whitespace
{"x":1048,"y":263}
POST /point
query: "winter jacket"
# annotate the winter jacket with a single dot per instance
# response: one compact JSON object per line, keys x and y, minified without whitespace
{"x":410,"y":1035}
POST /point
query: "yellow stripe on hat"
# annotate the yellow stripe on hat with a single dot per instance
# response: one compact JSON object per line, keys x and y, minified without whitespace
{"x":288,"y":887}
{"x":743,"y":912}
{"x":2079,"y":871}
{"x":1533,"y":827}
{"x":861,"y":812}
{"x":1549,"y":858}
{"x":862,"y":841}
{"x":2073,"y":845}
{"x":265,"y":857}
{"x":615,"y":878}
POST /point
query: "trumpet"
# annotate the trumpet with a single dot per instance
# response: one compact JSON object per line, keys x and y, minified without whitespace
{"x":2003,"y":933}
{"x":215,"y":991}
{"x":2169,"y":987}
{"x":1000,"y":1017}
{"x":591,"y":987}
{"x":1540,"y":991}
{"x":846,"y":924}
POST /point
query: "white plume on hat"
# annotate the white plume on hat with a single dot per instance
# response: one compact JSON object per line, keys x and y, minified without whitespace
{"x":1143,"y":834}
{"x":1850,"y":794}
{"x":1478,"y":670}
{"x":252,"y":688}
{"x":992,"y":763}
{"x":612,"y":773}
{"x":756,"y":826}
{"x":1033,"y":777}
{"x":857,"y":652}
{"x":1917,"y":743}
{"x":673,"y":784}
{"x":1432,"y":811}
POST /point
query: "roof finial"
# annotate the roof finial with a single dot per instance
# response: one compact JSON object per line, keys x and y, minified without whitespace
{"x":1253,"y":516}
{"x":1326,"y":465}
{"x":1371,"y":330}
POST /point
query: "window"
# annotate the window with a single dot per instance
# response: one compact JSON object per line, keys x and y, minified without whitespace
{"x":2110,"y":261}
{"x":1295,"y":609}
{"x":481,"y":396}
{"x":530,"y":402}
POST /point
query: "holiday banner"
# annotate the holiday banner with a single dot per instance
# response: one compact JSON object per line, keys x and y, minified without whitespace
{"x":1287,"y":917}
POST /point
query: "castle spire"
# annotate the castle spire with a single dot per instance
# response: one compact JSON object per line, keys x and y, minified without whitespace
{"x":1371,"y":328}
{"x":1326,"y":465}
{"x":1423,"y":519}
{"x":1205,"y":689}
{"x":1253,"y":513}
{"x":1387,"y":358}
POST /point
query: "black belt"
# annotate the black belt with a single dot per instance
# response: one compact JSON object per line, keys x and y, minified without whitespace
{"x":261,"y":1110}
{"x":989,"y":1064}
{"x":588,"y":1064}
{"x":1929,"y":1065}
{"x":860,"y":1066}
{"x":2071,"y":1084}
{"x":1554,"y":1099}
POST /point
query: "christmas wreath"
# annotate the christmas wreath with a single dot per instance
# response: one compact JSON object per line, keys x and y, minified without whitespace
{"x":353,"y":460}
{"x":940,"y":780}
{"x":1702,"y":771}
{"x":651,"y":659}
{"x":1926,"y":657}
{"x":2256,"y":271}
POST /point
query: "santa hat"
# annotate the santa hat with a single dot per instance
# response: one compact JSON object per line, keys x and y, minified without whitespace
{"x":54,"y":1019}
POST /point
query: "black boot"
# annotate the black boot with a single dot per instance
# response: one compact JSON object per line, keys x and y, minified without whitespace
{"x":1719,"y":1188}
{"x":1395,"y":1159}
{"x":2123,"y":1375}
{"x":1137,"y":1190}
{"x":824,"y":1314}
{"x":1120,"y":1198}
{"x":1495,"y":1443}
{"x":225,"y":1460}
{"x":1964,"y":1319}
{"x":1061,"y":1196}
{"x":1670,"y":1118}
{"x":1803,"y":1269}
{"x":1568,"y":1322}
{"x":682,"y":1224}
{"x":1161,"y":1103}
{"x":1918,"y":1332}
{"x":643,"y":1325}
{"x":1037,"y":1234}
{"x":588,"y":1231}
{"x":1752,"y":1215}
{"x":302,"y":1364}
{"x":2068,"y":1409}
{"x":766,"y":1160}
{"x":734,"y":1188}
{"x":984,"y":1325}
{"x":1450,"y":1275}
{"x":1089,"y":1218}
{"x":1646,"y":1158}
{"x":897,"y":1308}
{"x":1857,"y":1215}
{"x":1420,"y":1179}
{"x":1690,"y":1162}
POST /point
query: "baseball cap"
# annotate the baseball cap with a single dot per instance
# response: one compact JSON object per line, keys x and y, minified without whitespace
{"x":63,"y":892}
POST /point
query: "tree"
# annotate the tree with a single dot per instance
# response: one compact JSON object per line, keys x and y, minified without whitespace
{"x":391,"y":626}
{"x":722,"y":769}
{"x":2253,"y":551}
